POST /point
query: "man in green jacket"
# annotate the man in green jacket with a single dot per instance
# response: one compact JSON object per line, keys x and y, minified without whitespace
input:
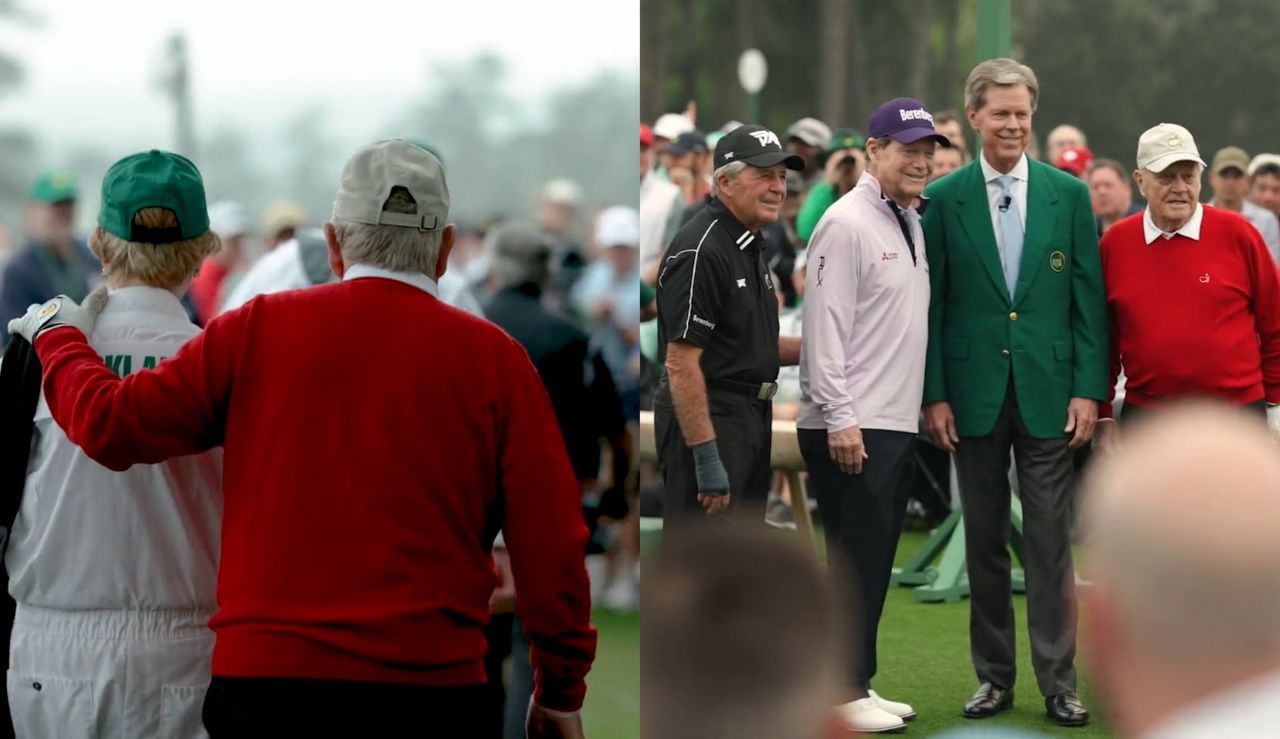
{"x":1016,"y":360}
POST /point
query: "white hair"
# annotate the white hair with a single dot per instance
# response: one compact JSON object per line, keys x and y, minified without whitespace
{"x":730,"y":170}
{"x":395,"y":248}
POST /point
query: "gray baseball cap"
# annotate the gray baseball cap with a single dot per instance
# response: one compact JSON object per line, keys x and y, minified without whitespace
{"x":370,"y":175}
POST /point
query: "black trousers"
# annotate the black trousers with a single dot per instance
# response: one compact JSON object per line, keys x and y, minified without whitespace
{"x":1045,"y":472}
{"x":743,"y":427}
{"x":862,"y":516}
{"x":250,"y":707}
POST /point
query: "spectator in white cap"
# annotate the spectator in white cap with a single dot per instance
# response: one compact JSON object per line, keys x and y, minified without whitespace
{"x":667,"y":129}
{"x":809,"y":137}
{"x":609,"y":296}
{"x":362,"y":425}
{"x":1193,"y":295}
{"x":1264,"y":188}
{"x":231,"y":222}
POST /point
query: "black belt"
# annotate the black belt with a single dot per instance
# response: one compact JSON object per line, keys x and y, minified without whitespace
{"x":753,"y":390}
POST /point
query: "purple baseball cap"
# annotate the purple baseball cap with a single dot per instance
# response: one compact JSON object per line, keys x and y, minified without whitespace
{"x":906,"y":121}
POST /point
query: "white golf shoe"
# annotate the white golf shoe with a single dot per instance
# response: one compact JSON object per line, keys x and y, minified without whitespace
{"x":901,"y":710}
{"x":866,"y":717}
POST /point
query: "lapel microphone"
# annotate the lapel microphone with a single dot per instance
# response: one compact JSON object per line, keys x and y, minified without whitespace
{"x":1004,"y":203}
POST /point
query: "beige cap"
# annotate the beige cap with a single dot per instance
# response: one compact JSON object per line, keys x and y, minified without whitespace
{"x":372,"y":172}
{"x":282,"y":214}
{"x":1166,"y":143}
{"x":1262,"y":160}
{"x":1231,"y":157}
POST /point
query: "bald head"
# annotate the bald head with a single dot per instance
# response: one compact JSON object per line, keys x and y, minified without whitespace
{"x":1060,"y":138}
{"x":1183,"y":536}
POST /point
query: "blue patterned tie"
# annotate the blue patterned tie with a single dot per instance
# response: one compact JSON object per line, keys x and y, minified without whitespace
{"x":1010,"y":231}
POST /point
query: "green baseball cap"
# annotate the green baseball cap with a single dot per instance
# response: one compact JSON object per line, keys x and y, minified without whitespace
{"x":846,"y":138}
{"x":153,"y":179}
{"x":53,"y":187}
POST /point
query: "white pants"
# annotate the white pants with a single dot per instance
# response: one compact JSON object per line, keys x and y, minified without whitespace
{"x":109,"y":674}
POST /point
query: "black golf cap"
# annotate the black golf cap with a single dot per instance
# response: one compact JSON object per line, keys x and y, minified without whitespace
{"x":755,"y":145}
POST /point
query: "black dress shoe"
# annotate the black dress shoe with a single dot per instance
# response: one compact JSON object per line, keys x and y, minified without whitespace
{"x":988,"y":701}
{"x":1066,"y":709}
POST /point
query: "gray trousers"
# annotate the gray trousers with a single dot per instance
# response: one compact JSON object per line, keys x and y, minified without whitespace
{"x":1044,"y":471}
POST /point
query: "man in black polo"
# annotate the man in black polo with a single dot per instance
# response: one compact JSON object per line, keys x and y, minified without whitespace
{"x":718,"y":337}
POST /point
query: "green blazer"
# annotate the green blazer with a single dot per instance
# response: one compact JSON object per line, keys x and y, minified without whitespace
{"x":1052,"y":333}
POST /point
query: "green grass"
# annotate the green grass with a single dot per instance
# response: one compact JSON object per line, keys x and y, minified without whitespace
{"x":612,"y":708}
{"x":924,"y":660}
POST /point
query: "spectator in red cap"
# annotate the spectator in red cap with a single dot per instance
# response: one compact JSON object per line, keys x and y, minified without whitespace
{"x":1060,"y":139}
{"x":1074,"y":159}
{"x":661,"y":204}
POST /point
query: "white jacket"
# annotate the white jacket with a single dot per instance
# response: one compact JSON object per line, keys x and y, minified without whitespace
{"x":143,"y":539}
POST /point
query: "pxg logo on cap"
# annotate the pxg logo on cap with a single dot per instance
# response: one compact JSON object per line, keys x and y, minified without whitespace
{"x":755,"y":145}
{"x":906,"y":121}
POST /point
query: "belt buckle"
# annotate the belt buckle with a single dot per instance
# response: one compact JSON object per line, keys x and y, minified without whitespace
{"x":767,"y":391}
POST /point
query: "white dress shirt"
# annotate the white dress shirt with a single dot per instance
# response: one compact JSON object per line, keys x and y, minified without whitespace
{"x":989,"y":175}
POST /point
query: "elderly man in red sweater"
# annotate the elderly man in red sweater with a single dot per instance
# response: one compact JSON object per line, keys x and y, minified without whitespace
{"x":1192,"y":292}
{"x":375,"y":442}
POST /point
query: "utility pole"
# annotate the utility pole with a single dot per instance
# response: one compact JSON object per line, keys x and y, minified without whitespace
{"x":995,"y":29}
{"x":175,"y":81}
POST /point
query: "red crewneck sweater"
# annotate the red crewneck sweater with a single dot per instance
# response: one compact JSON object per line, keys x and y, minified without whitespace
{"x":375,"y":439}
{"x":1193,"y":318}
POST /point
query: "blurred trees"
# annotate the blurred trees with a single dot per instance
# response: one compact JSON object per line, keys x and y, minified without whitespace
{"x":17,"y":165}
{"x":499,"y":149}
{"x":1112,"y":68}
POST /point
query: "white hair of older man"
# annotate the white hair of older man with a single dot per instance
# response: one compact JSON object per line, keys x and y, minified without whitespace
{"x":730,"y":170}
{"x":395,"y":248}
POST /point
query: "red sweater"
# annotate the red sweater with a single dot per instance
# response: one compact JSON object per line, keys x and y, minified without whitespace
{"x":1193,"y":318}
{"x":375,"y":439}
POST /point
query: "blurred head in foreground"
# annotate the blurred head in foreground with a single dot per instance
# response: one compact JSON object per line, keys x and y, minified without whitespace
{"x":740,"y":639}
{"x":1181,"y":528}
